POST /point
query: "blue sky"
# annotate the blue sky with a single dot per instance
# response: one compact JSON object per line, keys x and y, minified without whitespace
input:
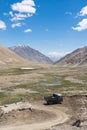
{"x":54,"y":27}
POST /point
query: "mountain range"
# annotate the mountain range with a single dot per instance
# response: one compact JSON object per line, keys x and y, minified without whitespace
{"x":26,"y":56}
{"x":31,"y":54}
{"x":75,"y":58}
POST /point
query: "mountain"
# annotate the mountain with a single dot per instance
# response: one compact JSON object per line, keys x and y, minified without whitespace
{"x":10,"y":59}
{"x":31,"y":54}
{"x":77,"y":57}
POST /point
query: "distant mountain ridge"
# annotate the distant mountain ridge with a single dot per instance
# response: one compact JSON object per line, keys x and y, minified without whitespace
{"x":31,"y":54}
{"x":77,"y":57}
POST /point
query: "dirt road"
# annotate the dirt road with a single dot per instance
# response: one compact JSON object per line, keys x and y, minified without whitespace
{"x":54,"y":117}
{"x":36,"y":116}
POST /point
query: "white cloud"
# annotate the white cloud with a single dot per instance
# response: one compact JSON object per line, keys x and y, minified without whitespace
{"x":68,"y":13}
{"x":81,"y":25}
{"x":56,"y":55}
{"x":27,"y":30}
{"x":83,"y":11}
{"x":24,"y":6}
{"x":20,"y":16}
{"x":16,"y":25}
{"x":2,"y":25}
{"x":22,"y":10}
{"x":11,"y":14}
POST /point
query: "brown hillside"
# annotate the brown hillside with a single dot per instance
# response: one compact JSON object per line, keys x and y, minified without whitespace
{"x":10,"y":59}
{"x":77,"y":57}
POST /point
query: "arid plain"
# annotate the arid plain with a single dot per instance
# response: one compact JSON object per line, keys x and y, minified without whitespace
{"x":31,"y":85}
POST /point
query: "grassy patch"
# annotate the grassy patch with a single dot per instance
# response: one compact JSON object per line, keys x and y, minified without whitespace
{"x":42,"y":90}
{"x":3,"y":96}
{"x":50,"y":78}
{"x":15,"y":71}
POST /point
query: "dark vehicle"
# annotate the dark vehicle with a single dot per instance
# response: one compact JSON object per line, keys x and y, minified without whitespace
{"x":54,"y":99}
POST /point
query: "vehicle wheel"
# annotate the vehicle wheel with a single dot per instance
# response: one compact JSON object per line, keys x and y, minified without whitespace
{"x":49,"y":103}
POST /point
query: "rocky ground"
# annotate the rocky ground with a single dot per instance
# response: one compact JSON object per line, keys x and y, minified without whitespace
{"x":70,"y":115}
{"x":77,"y":108}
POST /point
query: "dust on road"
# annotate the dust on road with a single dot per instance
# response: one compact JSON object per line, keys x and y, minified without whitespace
{"x":37,"y":117}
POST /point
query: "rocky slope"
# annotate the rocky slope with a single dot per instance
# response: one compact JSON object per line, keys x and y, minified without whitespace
{"x":77,"y":57}
{"x":10,"y":59}
{"x":31,"y":54}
